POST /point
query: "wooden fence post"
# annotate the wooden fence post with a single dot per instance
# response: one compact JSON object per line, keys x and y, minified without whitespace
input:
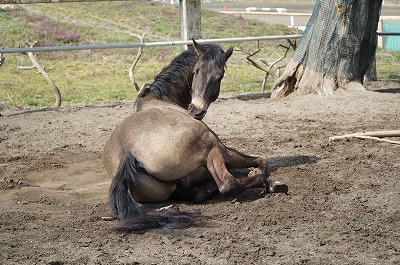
{"x":190,"y":12}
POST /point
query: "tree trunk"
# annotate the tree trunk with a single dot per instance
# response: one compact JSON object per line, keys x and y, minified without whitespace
{"x":335,"y":51}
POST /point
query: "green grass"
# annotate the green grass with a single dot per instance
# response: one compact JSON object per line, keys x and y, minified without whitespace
{"x":387,"y":64}
{"x":101,"y":75}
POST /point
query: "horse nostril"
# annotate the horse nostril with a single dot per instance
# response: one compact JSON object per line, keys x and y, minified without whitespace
{"x":199,"y":114}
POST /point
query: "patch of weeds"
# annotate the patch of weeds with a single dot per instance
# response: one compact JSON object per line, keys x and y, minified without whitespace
{"x":117,"y":95}
{"x":393,"y":76}
{"x":33,"y":102}
{"x":160,"y":28}
{"x":51,"y":33}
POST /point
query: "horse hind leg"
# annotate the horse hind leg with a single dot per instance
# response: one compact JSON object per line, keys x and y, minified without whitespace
{"x":216,"y":164}
{"x":196,"y":187}
{"x":236,"y":159}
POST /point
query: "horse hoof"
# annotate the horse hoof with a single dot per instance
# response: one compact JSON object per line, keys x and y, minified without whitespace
{"x":255,"y":171}
{"x":278,"y":187}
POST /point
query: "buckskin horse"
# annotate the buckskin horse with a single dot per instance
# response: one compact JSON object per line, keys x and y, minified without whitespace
{"x":164,"y":149}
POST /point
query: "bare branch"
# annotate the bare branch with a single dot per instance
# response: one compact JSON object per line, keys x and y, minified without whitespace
{"x":377,"y":139}
{"x":132,"y":68}
{"x":368,"y":135}
{"x":12,"y":101}
{"x":271,"y":65}
{"x":45,"y":75}
{"x":2,"y":59}
{"x":253,"y":62}
{"x":272,"y":69}
{"x":145,"y":85}
{"x":26,"y":67}
{"x":292,"y":44}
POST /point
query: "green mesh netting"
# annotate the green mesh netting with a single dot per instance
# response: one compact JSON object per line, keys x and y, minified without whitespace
{"x":340,"y":38}
{"x":392,"y":43}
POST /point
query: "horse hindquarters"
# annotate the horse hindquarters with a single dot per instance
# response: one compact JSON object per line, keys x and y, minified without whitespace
{"x":132,"y":184}
{"x":126,"y":181}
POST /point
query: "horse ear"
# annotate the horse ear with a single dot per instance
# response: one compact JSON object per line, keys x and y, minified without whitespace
{"x":228,"y":53}
{"x":198,"y":47}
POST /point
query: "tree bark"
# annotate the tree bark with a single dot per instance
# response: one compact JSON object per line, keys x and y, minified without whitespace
{"x":335,"y":51}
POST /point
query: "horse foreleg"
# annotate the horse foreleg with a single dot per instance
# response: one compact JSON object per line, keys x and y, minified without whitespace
{"x":216,"y":164}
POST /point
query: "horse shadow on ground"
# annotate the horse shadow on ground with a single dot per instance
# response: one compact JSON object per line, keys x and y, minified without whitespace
{"x":249,"y":96}
{"x":240,"y":197}
{"x":388,"y":90}
{"x":274,"y":163}
{"x":389,"y":86}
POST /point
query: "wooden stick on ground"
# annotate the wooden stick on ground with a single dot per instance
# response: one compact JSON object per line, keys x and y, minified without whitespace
{"x":370,"y":135}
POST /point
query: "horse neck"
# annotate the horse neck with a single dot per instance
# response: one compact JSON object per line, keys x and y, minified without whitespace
{"x":174,"y":83}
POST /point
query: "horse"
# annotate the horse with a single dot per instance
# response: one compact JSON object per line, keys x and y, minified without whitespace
{"x":164,"y":149}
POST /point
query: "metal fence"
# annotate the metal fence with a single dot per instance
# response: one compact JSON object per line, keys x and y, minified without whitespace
{"x":148,"y":44}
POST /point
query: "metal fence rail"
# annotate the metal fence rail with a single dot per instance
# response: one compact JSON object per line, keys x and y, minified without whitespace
{"x":138,"y":45}
{"x":18,"y":2}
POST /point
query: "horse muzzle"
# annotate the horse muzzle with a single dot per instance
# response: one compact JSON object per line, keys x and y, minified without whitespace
{"x":196,"y":113}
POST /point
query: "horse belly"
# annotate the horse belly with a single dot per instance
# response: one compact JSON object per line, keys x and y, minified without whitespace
{"x":174,"y":147}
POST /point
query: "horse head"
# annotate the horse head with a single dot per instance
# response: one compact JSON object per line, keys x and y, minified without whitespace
{"x":207,"y":75}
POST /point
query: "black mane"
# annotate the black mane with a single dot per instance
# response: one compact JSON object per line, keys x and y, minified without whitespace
{"x":174,"y":82}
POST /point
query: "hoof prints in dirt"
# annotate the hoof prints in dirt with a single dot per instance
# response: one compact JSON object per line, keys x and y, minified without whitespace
{"x":342,"y":206}
{"x":8,"y":183}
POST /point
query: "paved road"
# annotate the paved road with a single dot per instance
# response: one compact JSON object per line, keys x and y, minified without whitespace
{"x":301,"y":21}
{"x":387,"y":9}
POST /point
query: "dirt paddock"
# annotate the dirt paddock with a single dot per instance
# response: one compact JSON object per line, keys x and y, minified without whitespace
{"x":343,"y":205}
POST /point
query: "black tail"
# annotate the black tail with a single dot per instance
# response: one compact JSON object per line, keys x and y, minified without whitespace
{"x":168,"y":219}
{"x":133,"y":217}
{"x":121,"y":200}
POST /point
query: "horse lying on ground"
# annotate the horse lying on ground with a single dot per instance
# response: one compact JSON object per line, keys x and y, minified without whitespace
{"x":164,"y":149}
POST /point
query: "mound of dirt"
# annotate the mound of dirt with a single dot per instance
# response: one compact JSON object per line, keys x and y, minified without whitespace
{"x":342,"y":206}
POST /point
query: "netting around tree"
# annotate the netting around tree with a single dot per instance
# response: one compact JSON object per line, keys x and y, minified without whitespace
{"x":334,"y":32}
{"x":339,"y":43}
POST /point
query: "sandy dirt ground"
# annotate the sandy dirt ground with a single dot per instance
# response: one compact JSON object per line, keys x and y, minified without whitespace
{"x":343,"y":205}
